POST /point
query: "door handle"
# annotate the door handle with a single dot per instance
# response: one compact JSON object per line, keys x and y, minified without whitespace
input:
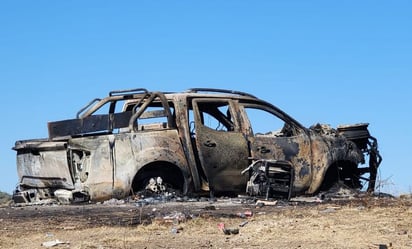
{"x":209,"y":143}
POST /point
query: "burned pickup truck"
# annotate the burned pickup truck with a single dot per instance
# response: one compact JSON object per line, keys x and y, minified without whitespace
{"x":198,"y":141}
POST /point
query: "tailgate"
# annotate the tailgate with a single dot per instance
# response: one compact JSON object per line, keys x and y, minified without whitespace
{"x":43,"y":164}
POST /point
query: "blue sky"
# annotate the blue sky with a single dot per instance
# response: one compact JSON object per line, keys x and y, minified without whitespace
{"x":334,"y":62}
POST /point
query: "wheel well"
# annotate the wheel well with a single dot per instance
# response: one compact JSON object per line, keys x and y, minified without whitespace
{"x":345,"y":172}
{"x":170,"y":173}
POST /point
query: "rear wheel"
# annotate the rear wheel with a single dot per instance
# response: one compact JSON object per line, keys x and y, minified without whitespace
{"x":170,"y":174}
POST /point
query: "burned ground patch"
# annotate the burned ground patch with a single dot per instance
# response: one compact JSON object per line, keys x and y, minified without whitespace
{"x":365,"y":222}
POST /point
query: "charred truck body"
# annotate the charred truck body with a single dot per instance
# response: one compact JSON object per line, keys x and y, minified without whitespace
{"x":197,"y":141}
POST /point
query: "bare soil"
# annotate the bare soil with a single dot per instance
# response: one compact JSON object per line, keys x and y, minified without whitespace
{"x":355,"y":223}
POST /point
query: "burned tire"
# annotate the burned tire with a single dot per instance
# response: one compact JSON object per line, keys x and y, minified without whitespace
{"x":344,"y":172}
{"x":171,"y":175}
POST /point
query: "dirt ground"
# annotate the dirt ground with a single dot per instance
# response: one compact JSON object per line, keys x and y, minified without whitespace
{"x":356,"y":223}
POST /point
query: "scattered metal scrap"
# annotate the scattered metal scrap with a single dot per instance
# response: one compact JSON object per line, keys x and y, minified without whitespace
{"x":270,"y":178}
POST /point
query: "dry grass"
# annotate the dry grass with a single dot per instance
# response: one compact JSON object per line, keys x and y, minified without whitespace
{"x":366,"y":224}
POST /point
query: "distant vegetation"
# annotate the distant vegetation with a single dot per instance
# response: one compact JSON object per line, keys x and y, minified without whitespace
{"x":4,"y":198}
